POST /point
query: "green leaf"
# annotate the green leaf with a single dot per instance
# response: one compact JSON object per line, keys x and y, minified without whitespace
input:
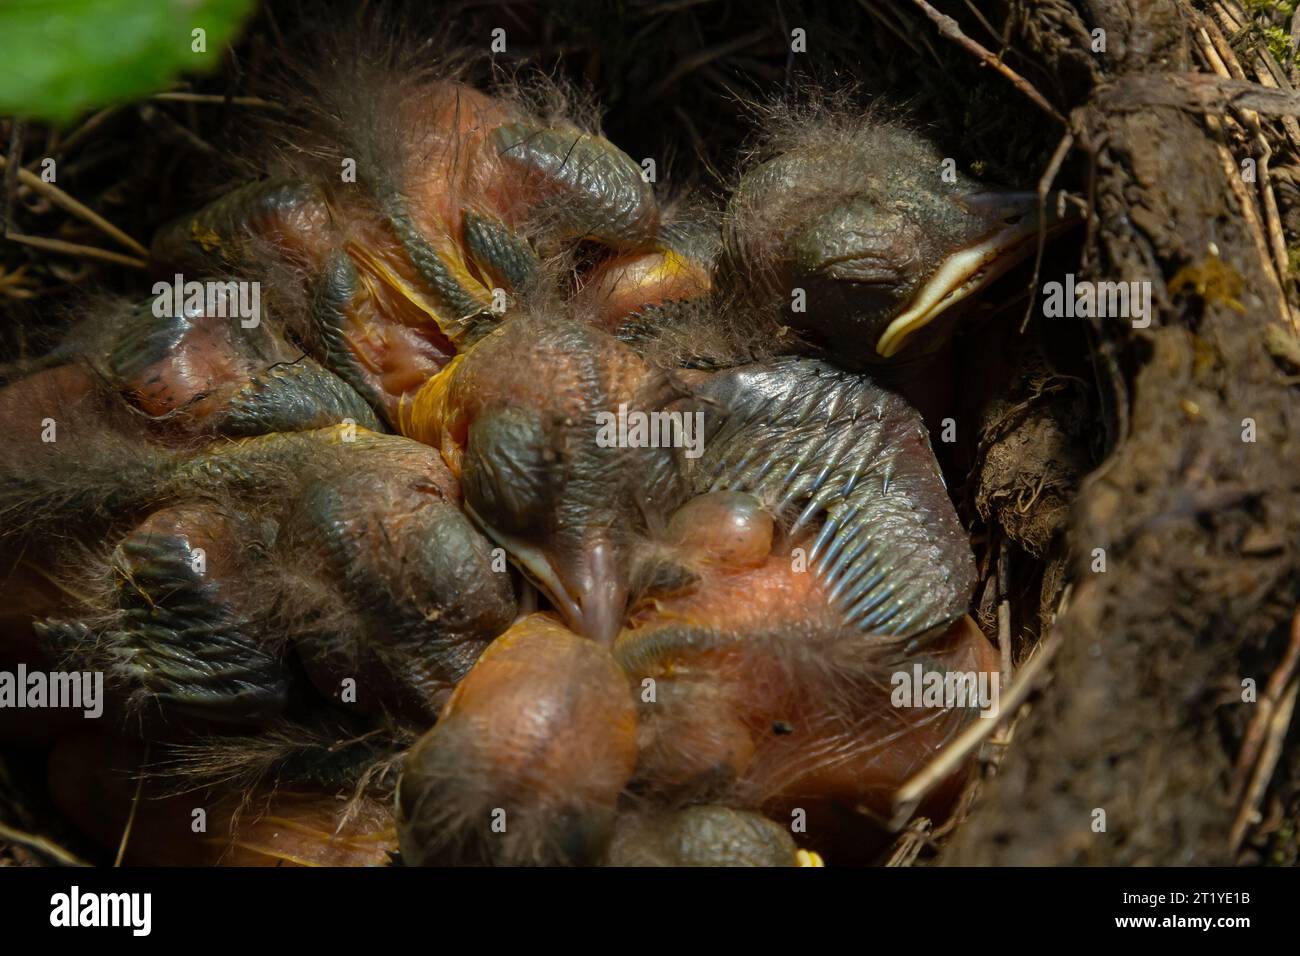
{"x":61,"y":57}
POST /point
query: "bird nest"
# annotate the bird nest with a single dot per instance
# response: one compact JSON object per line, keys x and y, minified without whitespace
{"x":1127,"y":482}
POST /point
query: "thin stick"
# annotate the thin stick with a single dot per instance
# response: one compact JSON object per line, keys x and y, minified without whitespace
{"x":1044,"y":187}
{"x":690,"y":64}
{"x":74,"y":249}
{"x":955,"y":753}
{"x":903,"y":24}
{"x":1268,"y":758}
{"x":975,"y":12}
{"x":1004,"y":613}
{"x":10,"y":178}
{"x":889,"y":25}
{"x":39,"y":844}
{"x":1223,"y":60}
{"x":77,"y":136}
{"x":1237,"y":20}
{"x":1251,"y":743}
{"x":60,"y":198}
{"x":949,"y":29}
{"x":1250,"y":213}
{"x":1295,"y":42}
{"x":910,"y":843}
{"x":135,"y":805}
{"x":1267,"y":70}
{"x":215,"y":99}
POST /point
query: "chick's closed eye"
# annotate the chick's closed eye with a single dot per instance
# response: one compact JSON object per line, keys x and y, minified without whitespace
{"x":507,"y":469}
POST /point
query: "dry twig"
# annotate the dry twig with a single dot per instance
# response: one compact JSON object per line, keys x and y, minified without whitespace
{"x":949,"y":29}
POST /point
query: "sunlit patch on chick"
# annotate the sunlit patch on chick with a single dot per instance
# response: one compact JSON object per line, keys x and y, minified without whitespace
{"x":645,"y":285}
{"x":527,"y":760}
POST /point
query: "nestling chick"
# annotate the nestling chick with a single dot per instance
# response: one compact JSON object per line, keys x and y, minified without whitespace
{"x":527,"y":760}
{"x":347,"y":551}
{"x":537,"y":478}
{"x":862,"y":236}
{"x":820,"y":556}
{"x":406,"y":206}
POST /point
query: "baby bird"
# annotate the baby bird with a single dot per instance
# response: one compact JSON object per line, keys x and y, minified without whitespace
{"x":820,"y":557}
{"x":336,"y":546}
{"x":569,"y":507}
{"x":346,"y":553}
{"x":528,"y":764}
{"x":528,"y":758}
{"x":412,"y":210}
{"x":863,"y":237}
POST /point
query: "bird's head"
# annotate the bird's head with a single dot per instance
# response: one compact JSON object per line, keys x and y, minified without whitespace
{"x":868,"y":234}
{"x":540,"y":734}
{"x":529,"y":420}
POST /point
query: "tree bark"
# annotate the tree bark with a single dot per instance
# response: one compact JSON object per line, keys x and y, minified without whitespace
{"x":1144,"y":717}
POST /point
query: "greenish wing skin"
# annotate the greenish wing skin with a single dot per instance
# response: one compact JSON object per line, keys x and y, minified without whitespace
{"x":284,"y":396}
{"x":600,"y":192}
{"x":423,"y":585}
{"x":458,"y":303}
{"x":332,"y":292}
{"x":412,"y":594}
{"x":175,"y":640}
{"x":294,"y":396}
{"x":696,"y":239}
{"x":259,"y":465}
{"x":832,"y":451}
{"x":412,"y":570}
{"x":140,"y":339}
{"x":216,"y":238}
{"x":648,"y":323}
{"x":490,"y":241}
